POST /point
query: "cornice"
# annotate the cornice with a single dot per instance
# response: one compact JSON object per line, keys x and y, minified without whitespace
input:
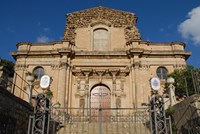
{"x":101,"y":72}
{"x":38,"y":43}
{"x":157,"y":53}
{"x":46,"y":53}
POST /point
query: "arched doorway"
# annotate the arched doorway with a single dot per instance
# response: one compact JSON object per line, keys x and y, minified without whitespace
{"x":100,"y":102}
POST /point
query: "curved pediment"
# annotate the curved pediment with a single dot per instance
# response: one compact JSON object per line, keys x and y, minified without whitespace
{"x":100,"y":22}
{"x":108,"y":16}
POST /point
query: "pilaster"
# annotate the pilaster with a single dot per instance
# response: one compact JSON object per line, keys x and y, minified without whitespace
{"x":62,"y":83}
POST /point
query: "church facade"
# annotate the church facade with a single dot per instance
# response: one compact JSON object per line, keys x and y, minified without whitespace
{"x":101,"y":62}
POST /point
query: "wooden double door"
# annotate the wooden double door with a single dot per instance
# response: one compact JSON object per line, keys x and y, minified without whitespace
{"x":100,"y":103}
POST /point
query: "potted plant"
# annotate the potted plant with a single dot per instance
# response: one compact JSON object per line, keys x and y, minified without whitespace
{"x":49,"y":93}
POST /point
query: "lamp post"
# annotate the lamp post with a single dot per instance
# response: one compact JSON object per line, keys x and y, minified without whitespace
{"x":30,"y":79}
{"x":171,"y":91}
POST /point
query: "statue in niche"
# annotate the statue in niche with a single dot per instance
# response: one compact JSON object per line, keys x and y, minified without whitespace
{"x":82,"y":103}
{"x":118,"y":102}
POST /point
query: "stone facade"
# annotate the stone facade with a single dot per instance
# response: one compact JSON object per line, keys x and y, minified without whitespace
{"x":124,"y":67}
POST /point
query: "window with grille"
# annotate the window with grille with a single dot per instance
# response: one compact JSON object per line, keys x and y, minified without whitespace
{"x":39,"y":72}
{"x":100,"y":40}
{"x":162,"y":73}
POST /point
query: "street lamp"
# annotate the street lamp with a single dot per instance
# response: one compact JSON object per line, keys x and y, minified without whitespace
{"x":171,"y":90}
{"x":30,"y":79}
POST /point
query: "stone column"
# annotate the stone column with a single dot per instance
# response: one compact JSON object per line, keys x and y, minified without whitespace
{"x":87,"y":73}
{"x":114,"y":73}
{"x":68,"y":97}
{"x":132,"y":83}
{"x":62,"y":83}
{"x":136,"y":65}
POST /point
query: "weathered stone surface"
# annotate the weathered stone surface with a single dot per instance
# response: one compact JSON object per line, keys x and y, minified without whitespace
{"x":187,"y":114}
{"x":4,"y":72}
{"x":14,"y":113}
{"x":102,"y":15}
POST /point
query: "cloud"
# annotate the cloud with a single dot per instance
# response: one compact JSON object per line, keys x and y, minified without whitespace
{"x":46,"y":29}
{"x":162,"y":29}
{"x":43,"y":39}
{"x":43,"y":36}
{"x":190,"y":28}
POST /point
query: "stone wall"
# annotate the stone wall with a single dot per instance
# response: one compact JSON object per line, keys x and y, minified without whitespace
{"x":14,"y":114}
{"x":187,"y":114}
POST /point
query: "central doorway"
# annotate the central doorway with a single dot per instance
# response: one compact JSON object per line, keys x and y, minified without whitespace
{"x":100,"y":102}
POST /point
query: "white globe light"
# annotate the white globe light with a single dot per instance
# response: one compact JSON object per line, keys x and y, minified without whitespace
{"x":170,"y":80}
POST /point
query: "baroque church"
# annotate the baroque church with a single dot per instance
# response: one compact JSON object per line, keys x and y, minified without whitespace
{"x":102,"y":61}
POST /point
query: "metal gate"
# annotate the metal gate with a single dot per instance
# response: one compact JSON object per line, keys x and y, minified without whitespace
{"x":101,"y":119}
{"x":123,"y":120}
{"x":39,"y":122}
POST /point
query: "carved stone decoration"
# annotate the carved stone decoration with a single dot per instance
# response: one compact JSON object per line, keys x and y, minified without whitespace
{"x":136,"y":64}
{"x":82,"y":102}
{"x":104,"y":15}
{"x":114,"y":73}
{"x":122,"y":85}
{"x":131,"y":34}
{"x":179,"y":66}
{"x":63,"y":65}
{"x":77,"y":72}
{"x":20,"y":66}
{"x":124,"y":72}
{"x":55,"y":66}
{"x":78,"y":84}
{"x":145,"y":66}
{"x":100,"y":73}
{"x":118,"y":102}
{"x":119,"y":94}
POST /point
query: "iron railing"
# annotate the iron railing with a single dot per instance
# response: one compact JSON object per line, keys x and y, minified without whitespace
{"x":17,"y":86}
{"x":196,"y":81}
{"x":100,"y":120}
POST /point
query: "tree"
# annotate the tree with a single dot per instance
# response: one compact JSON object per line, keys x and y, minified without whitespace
{"x":183,"y":81}
{"x":9,"y":64}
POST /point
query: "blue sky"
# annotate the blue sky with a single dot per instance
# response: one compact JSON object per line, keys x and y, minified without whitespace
{"x":44,"y":21}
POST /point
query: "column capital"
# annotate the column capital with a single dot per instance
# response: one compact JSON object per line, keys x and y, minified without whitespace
{"x":63,"y":65}
{"x":114,"y":71}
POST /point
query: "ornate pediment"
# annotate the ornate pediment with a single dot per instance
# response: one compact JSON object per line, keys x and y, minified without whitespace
{"x":89,"y":17}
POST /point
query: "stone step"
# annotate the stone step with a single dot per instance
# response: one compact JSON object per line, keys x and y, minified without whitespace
{"x":105,"y":128}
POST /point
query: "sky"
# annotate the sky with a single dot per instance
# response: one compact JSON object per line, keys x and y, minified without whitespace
{"x":44,"y":21}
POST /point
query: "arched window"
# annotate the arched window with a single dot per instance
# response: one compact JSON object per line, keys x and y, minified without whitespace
{"x":39,"y":72}
{"x":100,"y":39}
{"x":162,"y":73}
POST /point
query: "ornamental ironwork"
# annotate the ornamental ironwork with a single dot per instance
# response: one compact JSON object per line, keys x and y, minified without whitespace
{"x":39,"y":122}
{"x":158,"y":117}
